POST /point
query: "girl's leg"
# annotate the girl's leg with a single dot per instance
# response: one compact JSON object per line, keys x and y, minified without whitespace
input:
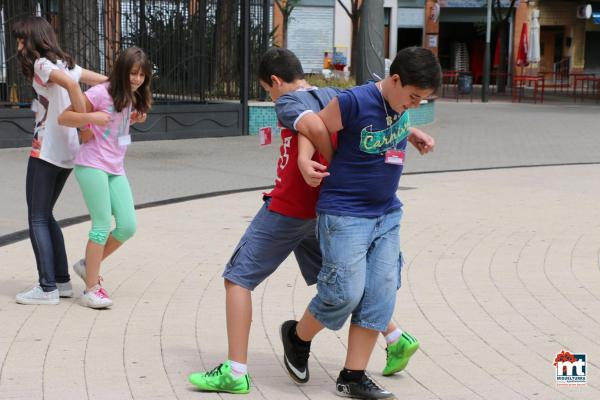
{"x":61,"y":265}
{"x":124,"y":212}
{"x":93,"y":258}
{"x":43,"y":187}
{"x":95,"y":188}
{"x":121,"y":201}
{"x":111,"y":245}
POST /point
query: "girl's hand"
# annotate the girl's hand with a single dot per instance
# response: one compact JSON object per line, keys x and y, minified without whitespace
{"x":100,"y":118}
{"x":137,"y":118}
{"x":86,"y":135}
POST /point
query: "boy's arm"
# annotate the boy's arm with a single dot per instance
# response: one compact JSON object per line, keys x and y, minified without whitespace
{"x":312,"y":171}
{"x":91,"y":78}
{"x":315,"y":131}
{"x":332,"y":117}
{"x":423,"y":142}
{"x":75,"y":95}
{"x":319,"y":128}
{"x":313,"y":128}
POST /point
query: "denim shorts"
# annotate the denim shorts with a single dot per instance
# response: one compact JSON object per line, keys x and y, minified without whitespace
{"x":361,"y":270}
{"x":268,"y":241}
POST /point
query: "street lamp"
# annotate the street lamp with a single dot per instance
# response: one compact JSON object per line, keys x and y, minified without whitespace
{"x":485,"y":85}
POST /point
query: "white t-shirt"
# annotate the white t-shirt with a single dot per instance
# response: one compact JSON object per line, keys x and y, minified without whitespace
{"x":52,"y":142}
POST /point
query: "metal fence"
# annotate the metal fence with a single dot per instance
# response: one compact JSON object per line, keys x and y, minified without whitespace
{"x":195,"y":45}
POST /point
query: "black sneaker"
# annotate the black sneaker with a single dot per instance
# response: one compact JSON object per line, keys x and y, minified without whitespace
{"x":365,"y":389}
{"x":295,"y":356}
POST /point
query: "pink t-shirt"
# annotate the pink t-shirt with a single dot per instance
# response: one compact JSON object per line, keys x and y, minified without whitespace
{"x":106,"y":151}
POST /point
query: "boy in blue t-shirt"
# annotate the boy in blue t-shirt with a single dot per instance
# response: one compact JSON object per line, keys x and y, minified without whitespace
{"x":359,"y":215}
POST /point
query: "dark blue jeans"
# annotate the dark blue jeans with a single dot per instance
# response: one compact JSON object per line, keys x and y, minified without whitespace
{"x":45,"y":181}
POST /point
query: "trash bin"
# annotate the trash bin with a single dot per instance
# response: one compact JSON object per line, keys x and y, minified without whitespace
{"x":465,"y":83}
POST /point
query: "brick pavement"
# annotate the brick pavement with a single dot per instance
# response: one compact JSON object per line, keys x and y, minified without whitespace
{"x":502,"y":270}
{"x":502,"y":273}
{"x":468,"y":136}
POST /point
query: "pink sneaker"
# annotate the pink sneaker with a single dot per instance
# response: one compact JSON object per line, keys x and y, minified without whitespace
{"x":96,"y":298}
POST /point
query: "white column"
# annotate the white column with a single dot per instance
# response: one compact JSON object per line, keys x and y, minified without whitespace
{"x":393,"y":29}
{"x":342,"y":35}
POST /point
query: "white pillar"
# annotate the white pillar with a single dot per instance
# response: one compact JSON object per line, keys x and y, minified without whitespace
{"x":393,"y":29}
{"x":342,"y":35}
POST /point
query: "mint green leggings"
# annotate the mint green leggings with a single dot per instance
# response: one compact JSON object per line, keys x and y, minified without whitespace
{"x":106,"y":195}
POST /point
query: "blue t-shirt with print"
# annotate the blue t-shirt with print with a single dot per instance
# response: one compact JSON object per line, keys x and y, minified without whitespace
{"x":361,"y":183}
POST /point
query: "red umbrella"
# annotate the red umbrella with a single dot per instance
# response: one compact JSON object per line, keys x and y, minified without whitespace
{"x":523,"y":47}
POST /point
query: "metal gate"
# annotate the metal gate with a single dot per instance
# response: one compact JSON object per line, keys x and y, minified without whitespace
{"x":198,"y":49}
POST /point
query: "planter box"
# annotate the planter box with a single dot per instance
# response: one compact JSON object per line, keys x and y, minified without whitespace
{"x":263,"y":114}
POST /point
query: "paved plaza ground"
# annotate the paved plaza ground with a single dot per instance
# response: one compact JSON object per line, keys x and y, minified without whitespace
{"x":502,"y":271}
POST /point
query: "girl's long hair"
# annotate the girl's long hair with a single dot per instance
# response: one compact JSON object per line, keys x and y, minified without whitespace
{"x":120,"y":86}
{"x":39,"y":41}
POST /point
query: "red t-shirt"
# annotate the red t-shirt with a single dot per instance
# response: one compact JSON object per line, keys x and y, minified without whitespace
{"x":291,"y":196}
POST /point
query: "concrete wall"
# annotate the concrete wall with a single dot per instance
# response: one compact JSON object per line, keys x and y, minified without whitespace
{"x":180,"y":121}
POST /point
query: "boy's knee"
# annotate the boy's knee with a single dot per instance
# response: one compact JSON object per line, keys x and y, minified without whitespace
{"x":334,"y":315}
{"x":351,"y":302}
{"x":230,"y":285}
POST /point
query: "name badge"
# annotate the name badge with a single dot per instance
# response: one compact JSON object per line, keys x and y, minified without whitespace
{"x":125,"y":140}
{"x":265,"y":136}
{"x":394,"y":156}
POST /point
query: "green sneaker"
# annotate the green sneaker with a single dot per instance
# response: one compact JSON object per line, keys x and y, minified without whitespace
{"x":399,"y":353}
{"x":220,"y":379}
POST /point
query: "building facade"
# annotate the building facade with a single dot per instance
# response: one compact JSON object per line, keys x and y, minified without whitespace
{"x":455,"y":31}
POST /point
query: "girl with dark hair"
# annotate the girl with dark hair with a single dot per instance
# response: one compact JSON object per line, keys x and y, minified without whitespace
{"x":124,"y":99}
{"x":55,"y":78}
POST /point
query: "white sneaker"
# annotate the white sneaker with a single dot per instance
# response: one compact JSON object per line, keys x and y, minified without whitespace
{"x":38,"y":296}
{"x":79,"y":268}
{"x":96,"y":298}
{"x":65,"y":289}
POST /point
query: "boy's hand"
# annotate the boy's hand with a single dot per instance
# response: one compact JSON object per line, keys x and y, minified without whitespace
{"x":137,"y":118}
{"x":86,"y":135}
{"x":312,"y":172}
{"x":100,"y":118}
{"x":423,"y":142}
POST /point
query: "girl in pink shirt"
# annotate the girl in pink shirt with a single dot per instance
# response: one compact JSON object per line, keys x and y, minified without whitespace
{"x":111,"y":108}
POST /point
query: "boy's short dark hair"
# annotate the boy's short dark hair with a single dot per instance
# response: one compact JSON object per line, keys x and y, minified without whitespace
{"x":282,"y":63}
{"x":417,"y":66}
